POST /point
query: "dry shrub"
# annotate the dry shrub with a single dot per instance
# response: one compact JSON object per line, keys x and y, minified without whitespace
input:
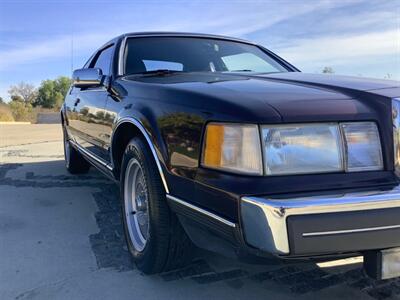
{"x":5,"y":114}
{"x":21,"y":111}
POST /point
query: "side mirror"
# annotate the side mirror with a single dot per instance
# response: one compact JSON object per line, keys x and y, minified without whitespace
{"x":85,"y":78}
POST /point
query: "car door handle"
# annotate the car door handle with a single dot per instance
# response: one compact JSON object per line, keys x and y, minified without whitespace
{"x":77,"y":101}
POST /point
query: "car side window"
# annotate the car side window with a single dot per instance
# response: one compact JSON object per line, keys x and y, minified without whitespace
{"x":103,"y":60}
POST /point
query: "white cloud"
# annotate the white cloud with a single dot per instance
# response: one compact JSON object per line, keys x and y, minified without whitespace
{"x":228,"y":18}
{"x":47,"y":49}
{"x":220,"y":18}
{"x":343,"y":48}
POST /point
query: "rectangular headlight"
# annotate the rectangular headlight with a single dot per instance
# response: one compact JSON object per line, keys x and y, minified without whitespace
{"x":362,"y":146}
{"x":233,"y":147}
{"x":293,"y":149}
{"x":302,"y":149}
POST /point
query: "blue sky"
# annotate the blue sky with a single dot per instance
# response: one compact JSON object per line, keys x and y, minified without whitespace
{"x":354,"y":37}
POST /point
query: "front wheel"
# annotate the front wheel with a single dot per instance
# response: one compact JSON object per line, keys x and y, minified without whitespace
{"x":154,"y":235}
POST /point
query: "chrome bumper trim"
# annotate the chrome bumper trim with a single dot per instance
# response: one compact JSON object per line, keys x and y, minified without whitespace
{"x":265,"y":219}
{"x":336,"y":232}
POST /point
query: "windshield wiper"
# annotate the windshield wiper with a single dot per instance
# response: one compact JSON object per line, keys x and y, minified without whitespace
{"x":244,"y":70}
{"x":158,"y":72}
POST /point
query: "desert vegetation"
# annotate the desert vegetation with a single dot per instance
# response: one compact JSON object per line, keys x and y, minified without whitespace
{"x":26,"y":101}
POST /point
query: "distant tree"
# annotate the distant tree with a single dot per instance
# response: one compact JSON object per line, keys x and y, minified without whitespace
{"x":1,"y":100}
{"x":388,"y":76}
{"x":328,"y":70}
{"x":24,"y":91}
{"x":17,"y":98}
{"x":46,"y":94}
{"x":85,"y":111}
{"x":100,"y":115}
{"x":63,"y":83}
{"x":51,"y":93}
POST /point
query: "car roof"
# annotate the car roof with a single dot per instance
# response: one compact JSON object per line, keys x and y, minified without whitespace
{"x":177,"y":34}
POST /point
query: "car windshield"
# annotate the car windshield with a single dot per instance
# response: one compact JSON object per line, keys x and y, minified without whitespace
{"x":187,"y":54}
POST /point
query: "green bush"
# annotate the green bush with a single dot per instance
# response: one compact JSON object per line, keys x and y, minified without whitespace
{"x":51,"y":93}
{"x":21,"y":111}
{"x":5,"y":114}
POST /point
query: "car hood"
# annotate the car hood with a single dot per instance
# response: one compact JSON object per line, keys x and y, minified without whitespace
{"x":280,"y":97}
{"x":334,"y":81}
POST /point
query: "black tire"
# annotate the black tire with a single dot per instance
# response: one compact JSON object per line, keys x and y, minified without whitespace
{"x":74,"y":161}
{"x":167,"y":246}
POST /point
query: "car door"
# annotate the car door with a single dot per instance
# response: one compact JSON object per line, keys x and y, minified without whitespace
{"x":89,"y":107}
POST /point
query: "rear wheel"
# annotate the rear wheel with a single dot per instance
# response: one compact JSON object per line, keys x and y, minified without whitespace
{"x":154,"y":235}
{"x":74,"y":161}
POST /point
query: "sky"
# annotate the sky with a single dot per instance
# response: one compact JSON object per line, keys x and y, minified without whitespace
{"x":354,"y":37}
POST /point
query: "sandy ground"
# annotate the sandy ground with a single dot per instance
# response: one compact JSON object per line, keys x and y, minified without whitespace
{"x":61,"y":238}
{"x":25,"y":134}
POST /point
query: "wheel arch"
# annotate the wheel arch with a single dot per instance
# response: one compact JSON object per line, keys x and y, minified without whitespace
{"x":124,"y":131}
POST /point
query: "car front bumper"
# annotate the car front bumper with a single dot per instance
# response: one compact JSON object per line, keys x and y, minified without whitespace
{"x":322,"y":224}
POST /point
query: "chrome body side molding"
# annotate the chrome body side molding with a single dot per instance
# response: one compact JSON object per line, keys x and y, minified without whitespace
{"x":138,"y":125}
{"x":202,"y":211}
{"x":91,"y":155}
{"x":265,"y":219}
